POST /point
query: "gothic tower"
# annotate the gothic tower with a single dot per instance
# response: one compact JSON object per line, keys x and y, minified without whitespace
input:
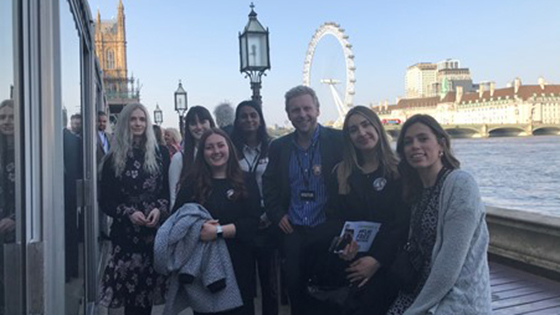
{"x":110,"y":47}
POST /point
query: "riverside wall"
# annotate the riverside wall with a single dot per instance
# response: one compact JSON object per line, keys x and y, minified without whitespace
{"x":526,"y":238}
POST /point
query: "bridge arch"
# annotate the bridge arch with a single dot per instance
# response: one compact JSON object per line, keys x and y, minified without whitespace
{"x":506,"y":132}
{"x":546,"y":131}
{"x":463,"y":132}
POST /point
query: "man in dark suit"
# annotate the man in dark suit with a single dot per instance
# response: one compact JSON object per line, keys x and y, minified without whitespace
{"x":103,"y":143}
{"x":294,"y":188}
{"x":73,"y":170}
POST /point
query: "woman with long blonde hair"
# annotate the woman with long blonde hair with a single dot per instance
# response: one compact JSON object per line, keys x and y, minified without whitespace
{"x":132,"y":192}
{"x":365,"y":186}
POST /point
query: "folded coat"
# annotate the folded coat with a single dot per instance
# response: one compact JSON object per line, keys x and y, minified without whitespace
{"x":200,"y":273}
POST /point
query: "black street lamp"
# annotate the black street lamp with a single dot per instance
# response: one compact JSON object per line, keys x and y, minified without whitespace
{"x":254,"y":52}
{"x":181,"y":105}
{"x":158,"y":115}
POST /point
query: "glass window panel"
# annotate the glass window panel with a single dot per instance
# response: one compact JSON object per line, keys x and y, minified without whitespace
{"x":72,"y":155}
{"x":10,"y":255}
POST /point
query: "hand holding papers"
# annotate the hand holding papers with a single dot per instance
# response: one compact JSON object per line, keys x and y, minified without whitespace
{"x":362,"y":232}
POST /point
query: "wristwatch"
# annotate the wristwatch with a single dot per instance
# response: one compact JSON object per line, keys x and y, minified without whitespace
{"x":219,"y":231}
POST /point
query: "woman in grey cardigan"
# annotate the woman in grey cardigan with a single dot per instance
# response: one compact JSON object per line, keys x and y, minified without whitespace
{"x":448,"y":229}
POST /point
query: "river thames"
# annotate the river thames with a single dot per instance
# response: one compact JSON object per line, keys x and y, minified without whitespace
{"x":514,"y":172}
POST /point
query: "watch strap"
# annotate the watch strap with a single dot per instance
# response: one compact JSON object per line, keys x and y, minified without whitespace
{"x":219,"y":231}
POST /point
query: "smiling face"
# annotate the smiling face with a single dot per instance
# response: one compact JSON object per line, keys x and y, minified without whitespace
{"x":198,"y":127}
{"x":421,"y":148}
{"x":362,"y":133}
{"x":101,"y":122}
{"x":216,"y":153}
{"x":249,"y":119}
{"x":303,"y":113}
{"x":137,"y":123}
{"x":7,"y":121}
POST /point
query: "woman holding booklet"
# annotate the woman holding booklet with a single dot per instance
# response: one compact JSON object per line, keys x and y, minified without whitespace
{"x":365,"y":186}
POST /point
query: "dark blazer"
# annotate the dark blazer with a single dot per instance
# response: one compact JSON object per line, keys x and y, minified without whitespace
{"x":276,"y":183}
{"x":365,"y":203}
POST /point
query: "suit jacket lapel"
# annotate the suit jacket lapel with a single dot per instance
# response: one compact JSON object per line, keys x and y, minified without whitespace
{"x":286,"y":152}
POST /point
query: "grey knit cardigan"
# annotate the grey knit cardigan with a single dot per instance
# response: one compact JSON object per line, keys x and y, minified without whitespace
{"x":179,"y":251}
{"x":459,"y":281}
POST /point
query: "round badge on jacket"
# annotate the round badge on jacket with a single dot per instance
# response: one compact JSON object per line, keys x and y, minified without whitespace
{"x":230,"y":193}
{"x":317,"y":170}
{"x":379,"y":183}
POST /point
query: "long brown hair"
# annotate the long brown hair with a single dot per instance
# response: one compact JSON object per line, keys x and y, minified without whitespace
{"x":200,"y":174}
{"x":412,"y":185}
{"x":352,"y":158}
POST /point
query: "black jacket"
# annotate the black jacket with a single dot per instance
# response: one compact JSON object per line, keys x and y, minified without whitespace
{"x":276,"y":183}
{"x":365,"y":203}
{"x":244,"y":213}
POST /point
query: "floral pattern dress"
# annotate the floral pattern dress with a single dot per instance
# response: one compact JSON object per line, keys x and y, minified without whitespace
{"x":129,"y":277}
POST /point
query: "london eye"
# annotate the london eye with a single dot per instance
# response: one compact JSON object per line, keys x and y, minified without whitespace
{"x":345,"y":103}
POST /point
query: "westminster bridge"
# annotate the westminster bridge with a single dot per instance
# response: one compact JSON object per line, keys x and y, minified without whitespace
{"x":490,"y":130}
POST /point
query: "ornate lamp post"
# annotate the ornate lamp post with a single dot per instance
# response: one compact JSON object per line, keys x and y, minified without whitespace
{"x":181,"y":105}
{"x":254,"y":52}
{"x":158,"y":115}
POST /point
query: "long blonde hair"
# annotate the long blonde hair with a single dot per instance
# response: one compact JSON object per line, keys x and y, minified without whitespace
{"x":124,"y":142}
{"x":351,"y":158}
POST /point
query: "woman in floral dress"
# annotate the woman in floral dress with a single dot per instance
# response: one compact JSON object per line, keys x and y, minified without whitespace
{"x":133,"y":193}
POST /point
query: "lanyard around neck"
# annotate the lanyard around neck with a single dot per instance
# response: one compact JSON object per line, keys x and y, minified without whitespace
{"x":306,"y":173}
{"x":253,"y":165}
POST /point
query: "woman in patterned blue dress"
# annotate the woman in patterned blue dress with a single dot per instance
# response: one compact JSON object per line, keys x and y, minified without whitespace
{"x":134,"y":194}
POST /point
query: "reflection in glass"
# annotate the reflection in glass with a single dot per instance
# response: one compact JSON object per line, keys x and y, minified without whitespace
{"x":72,"y":157}
{"x":8,"y":251}
{"x":7,"y":185}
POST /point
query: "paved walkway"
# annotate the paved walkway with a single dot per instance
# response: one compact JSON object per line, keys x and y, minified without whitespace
{"x":513,"y":292}
{"x":518,"y":292}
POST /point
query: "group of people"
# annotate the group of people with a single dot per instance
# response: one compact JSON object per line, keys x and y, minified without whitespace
{"x":291,"y":195}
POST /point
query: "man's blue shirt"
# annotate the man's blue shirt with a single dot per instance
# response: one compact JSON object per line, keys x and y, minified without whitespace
{"x":306,"y":174}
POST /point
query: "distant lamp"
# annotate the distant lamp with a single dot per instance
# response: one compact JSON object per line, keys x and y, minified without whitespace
{"x":254,"y":52}
{"x":158,"y":115}
{"x":181,"y":104}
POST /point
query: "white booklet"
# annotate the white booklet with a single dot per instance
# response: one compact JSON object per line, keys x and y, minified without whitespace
{"x":363,"y":232}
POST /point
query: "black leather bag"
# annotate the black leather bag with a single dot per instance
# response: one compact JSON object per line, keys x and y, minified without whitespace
{"x":407,"y":267}
{"x":328,"y":281}
{"x":333,"y":295}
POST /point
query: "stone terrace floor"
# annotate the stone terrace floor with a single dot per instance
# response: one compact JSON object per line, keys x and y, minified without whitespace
{"x":513,"y":292}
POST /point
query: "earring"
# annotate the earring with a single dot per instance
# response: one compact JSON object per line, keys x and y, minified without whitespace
{"x":440,"y":153}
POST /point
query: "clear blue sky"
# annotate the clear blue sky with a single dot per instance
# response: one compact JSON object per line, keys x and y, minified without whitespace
{"x":197,"y":42}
